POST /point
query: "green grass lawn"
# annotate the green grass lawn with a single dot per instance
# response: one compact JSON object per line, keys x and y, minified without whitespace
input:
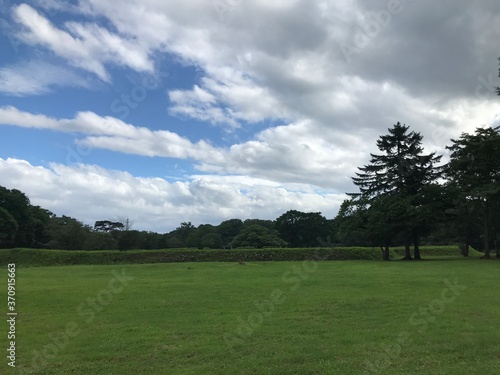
{"x":343,"y":317}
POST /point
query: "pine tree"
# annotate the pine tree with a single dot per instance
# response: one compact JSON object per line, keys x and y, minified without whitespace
{"x":401,"y":172}
{"x":401,"y":169}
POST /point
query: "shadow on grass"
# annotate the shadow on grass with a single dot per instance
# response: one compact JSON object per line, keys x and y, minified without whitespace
{"x":446,"y":258}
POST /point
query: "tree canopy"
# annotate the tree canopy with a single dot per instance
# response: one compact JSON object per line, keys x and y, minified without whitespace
{"x":394,"y":189}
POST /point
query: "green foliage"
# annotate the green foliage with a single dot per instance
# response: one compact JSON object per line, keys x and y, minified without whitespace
{"x":229,"y":229}
{"x":8,"y":228}
{"x":474,"y":174}
{"x":258,"y":236}
{"x":269,"y":224}
{"x":174,"y":242}
{"x":66,"y":233}
{"x":40,"y":218}
{"x":17,"y":204}
{"x":397,"y":196}
{"x":100,"y":241}
{"x":211,"y":241}
{"x":108,"y":226}
{"x":351,"y":223}
{"x":42,"y":257}
{"x":401,"y":168}
{"x":302,"y":229}
{"x":475,"y":162}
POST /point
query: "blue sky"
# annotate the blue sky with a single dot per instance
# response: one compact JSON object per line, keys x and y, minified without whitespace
{"x":208,"y":110}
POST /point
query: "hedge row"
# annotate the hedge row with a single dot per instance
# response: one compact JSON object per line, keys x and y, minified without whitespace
{"x":438,"y":251}
{"x":38,"y":257}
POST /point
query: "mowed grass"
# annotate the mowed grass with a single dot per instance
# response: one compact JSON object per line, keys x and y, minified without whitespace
{"x":343,"y":317}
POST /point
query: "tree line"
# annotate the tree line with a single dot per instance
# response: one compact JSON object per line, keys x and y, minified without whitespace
{"x":25,"y":225}
{"x":406,"y":198}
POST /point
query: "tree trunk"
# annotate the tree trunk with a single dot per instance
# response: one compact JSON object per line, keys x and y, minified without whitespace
{"x":416,"y":249}
{"x":407,"y":252}
{"x":464,"y":249}
{"x":487,"y":249}
{"x":486,"y":228}
{"x":468,"y":230}
{"x":385,"y":252}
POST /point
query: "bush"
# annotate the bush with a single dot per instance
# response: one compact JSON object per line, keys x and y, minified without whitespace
{"x":39,"y":257}
{"x":452,"y":250}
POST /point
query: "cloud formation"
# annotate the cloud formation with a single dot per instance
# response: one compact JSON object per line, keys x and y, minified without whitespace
{"x":92,"y":193}
{"x":86,"y":46}
{"x":37,"y":77}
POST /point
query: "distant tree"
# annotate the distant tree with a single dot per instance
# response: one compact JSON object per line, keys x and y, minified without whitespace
{"x":100,"y":241}
{"x":30,"y":229}
{"x":258,"y":236}
{"x":228,"y":230}
{"x":332,"y":237}
{"x":182,"y":234}
{"x":212,"y":241}
{"x":207,"y":237}
{"x":193,"y":238}
{"x":130,"y":239}
{"x":269,"y":224}
{"x":174,"y":242}
{"x":152,"y":240}
{"x":40,"y":221}
{"x":19,"y":207}
{"x":8,"y":228}
{"x":108,"y":226}
{"x":125,"y":221}
{"x":474,"y":172}
{"x":302,"y":229}
{"x":67,"y":233}
{"x":351,"y":223}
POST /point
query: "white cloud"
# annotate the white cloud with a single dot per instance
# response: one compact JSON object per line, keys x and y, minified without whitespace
{"x":304,"y":152}
{"x":256,"y":66}
{"x":114,"y":134}
{"x":286,"y":154}
{"x":226,"y":97}
{"x":92,"y":193}
{"x":37,"y":77}
{"x":86,"y":46}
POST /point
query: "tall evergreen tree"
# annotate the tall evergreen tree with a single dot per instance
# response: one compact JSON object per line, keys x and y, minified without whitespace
{"x":401,"y":172}
{"x":401,"y":168}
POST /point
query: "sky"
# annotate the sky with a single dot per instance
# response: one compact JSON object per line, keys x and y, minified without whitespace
{"x":206,"y":110}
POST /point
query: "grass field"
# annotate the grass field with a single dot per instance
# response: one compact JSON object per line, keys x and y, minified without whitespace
{"x":343,"y":317}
